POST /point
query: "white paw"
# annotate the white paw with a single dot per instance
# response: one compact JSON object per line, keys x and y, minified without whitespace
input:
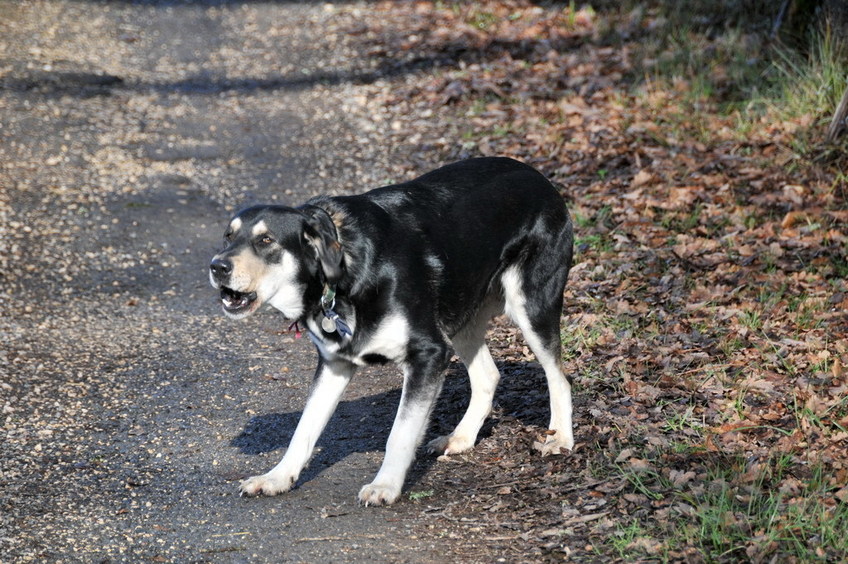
{"x":557,"y":443}
{"x":450,"y":444}
{"x":266,"y":484}
{"x":379,"y":494}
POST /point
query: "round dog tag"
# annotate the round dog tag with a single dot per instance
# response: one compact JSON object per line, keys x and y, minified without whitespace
{"x":328,"y":325}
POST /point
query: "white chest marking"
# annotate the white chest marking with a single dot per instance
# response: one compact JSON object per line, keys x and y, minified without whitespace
{"x":389,"y":340}
{"x":281,"y":287}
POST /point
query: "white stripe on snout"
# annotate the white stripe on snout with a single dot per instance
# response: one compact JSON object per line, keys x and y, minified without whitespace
{"x":259,"y":229}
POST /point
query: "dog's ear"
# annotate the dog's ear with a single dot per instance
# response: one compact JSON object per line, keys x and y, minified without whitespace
{"x":320,"y":233}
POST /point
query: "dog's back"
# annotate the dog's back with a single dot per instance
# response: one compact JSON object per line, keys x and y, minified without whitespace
{"x":480,"y":217}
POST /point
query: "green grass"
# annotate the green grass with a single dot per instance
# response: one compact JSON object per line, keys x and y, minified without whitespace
{"x":418,"y":496}
{"x":808,"y":313}
{"x":759,"y":522}
{"x":728,"y":519}
{"x":729,"y":345}
{"x":677,"y":422}
{"x":601,"y":243}
{"x":812,"y":84}
{"x":482,"y":20}
{"x":805,"y":87}
{"x":594,"y":231}
{"x":575,"y":339}
{"x":751,"y":319}
{"x":840,"y":265}
{"x":714,"y":63}
{"x":682,"y":222}
{"x":645,"y":481}
{"x":624,"y":539}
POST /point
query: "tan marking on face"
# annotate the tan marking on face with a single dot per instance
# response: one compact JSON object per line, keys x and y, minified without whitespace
{"x":235,"y":224}
{"x":248,"y":271}
{"x":259,"y":229}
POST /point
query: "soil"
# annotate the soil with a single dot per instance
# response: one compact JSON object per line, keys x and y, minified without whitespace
{"x":130,"y":406}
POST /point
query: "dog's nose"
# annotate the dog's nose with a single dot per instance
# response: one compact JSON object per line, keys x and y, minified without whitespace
{"x":221,"y":268}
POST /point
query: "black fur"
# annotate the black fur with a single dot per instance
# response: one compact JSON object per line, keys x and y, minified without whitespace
{"x":431,"y":250}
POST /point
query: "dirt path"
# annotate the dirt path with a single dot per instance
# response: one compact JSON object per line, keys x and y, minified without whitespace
{"x":131,"y":407}
{"x":704,"y":323}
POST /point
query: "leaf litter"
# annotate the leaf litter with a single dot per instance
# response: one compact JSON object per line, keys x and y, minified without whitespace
{"x":704,"y":327}
{"x":705,"y":319}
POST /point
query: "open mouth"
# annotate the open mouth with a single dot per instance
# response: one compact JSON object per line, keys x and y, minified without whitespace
{"x":237,"y":302}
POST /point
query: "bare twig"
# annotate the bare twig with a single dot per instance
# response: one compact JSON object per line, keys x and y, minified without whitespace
{"x":338,"y":538}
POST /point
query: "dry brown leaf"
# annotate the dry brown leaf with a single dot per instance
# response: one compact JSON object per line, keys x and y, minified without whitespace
{"x":639,"y":464}
{"x":642,"y":177}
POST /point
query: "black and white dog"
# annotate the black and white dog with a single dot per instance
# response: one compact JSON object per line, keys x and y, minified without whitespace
{"x":404,"y":273}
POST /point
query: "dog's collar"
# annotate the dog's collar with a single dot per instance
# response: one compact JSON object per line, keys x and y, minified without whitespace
{"x":332,"y":322}
{"x":328,"y":297}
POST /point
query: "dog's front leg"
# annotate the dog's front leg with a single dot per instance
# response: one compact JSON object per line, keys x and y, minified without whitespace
{"x":331,"y":379}
{"x":421,"y":386}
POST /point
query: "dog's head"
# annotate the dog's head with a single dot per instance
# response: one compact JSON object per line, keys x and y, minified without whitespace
{"x":273,"y":254}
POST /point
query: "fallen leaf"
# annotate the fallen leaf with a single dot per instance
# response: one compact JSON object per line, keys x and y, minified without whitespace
{"x":642,"y":177}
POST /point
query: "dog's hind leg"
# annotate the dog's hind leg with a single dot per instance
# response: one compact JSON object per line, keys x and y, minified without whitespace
{"x":331,"y":379}
{"x":539,"y":322}
{"x":483,"y":374}
{"x":422,"y":382}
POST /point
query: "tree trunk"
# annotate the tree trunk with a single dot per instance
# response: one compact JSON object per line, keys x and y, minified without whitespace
{"x":837,"y":124}
{"x":795,"y":20}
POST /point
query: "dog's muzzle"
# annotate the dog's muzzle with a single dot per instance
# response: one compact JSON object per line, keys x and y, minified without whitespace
{"x":233,"y":301}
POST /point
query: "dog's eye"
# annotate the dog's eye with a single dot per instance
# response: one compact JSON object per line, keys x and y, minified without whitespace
{"x":228,"y":236}
{"x":265,"y":240}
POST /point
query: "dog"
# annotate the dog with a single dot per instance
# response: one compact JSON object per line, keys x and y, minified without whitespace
{"x":404,"y":274}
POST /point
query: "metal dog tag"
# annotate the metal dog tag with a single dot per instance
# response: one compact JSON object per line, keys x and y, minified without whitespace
{"x":328,"y":325}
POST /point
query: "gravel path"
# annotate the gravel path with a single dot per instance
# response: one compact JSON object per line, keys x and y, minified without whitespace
{"x":130,"y":406}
